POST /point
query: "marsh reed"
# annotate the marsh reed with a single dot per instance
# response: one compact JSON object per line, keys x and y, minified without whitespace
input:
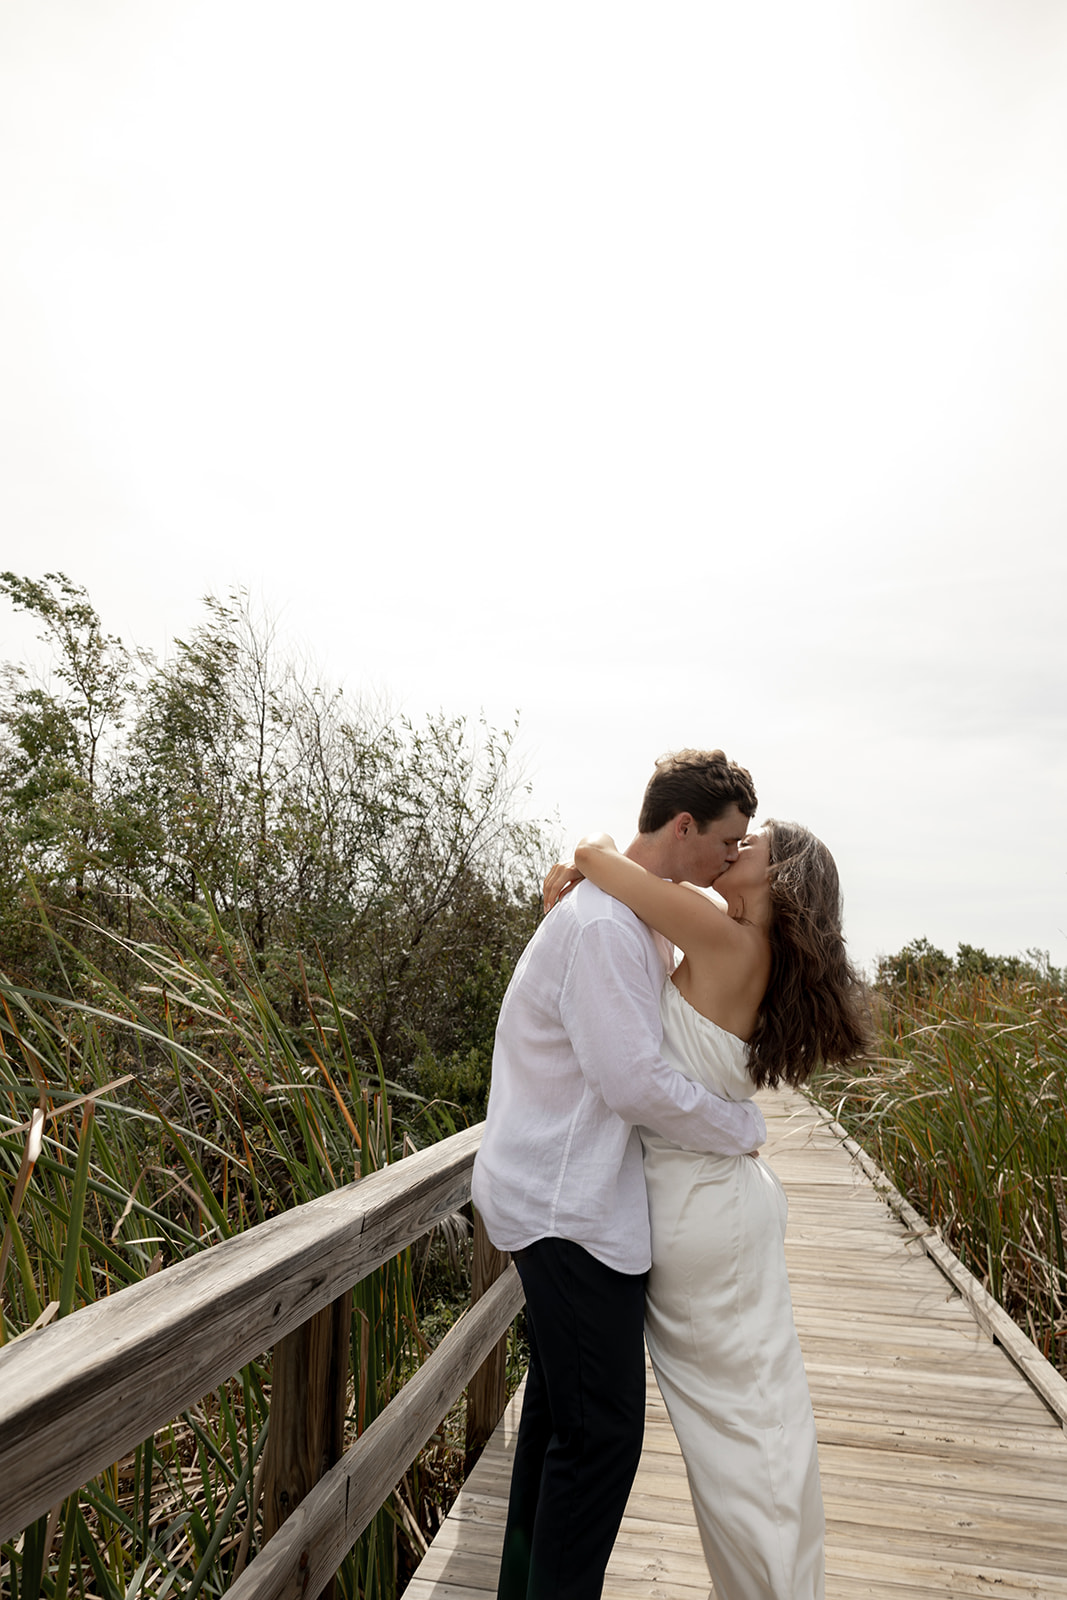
{"x":964,"y":1106}
{"x":139,"y":1127}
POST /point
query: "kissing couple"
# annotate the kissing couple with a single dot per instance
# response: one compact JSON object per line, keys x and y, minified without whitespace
{"x":620,"y":1167}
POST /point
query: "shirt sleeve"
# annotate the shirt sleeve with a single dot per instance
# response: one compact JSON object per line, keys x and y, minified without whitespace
{"x":610,"y":1009}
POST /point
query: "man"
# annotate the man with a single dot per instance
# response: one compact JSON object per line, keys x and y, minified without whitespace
{"x":577,"y":1069}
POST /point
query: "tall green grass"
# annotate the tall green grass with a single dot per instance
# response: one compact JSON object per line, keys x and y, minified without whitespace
{"x":965,"y":1107}
{"x":138,"y":1128}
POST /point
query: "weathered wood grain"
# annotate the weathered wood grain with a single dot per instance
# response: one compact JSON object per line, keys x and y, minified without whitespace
{"x":309,"y":1547}
{"x":944,"y":1469}
{"x":1048,"y":1383}
{"x":488,"y":1393}
{"x":308,"y":1389}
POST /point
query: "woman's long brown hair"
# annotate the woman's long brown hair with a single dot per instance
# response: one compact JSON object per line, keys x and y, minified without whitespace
{"x":814,"y":1011}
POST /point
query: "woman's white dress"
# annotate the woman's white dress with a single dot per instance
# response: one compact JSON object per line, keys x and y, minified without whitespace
{"x":719,"y":1326}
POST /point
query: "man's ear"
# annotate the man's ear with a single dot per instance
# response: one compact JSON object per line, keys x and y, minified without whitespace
{"x":681,"y":824}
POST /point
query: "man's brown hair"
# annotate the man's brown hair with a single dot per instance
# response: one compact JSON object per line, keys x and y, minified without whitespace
{"x":701,"y":782}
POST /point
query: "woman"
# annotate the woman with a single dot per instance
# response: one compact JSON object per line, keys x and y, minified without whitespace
{"x":764,"y":992}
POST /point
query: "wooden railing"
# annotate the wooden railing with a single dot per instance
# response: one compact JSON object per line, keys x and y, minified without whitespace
{"x":78,"y":1395}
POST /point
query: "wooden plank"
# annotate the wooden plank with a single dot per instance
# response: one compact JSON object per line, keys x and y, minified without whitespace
{"x":1043,"y":1376}
{"x":909,"y":1380}
{"x":948,"y":1578}
{"x":931,"y":1508}
{"x":981,"y":1535}
{"x":944,"y":1472}
{"x":1017,"y":1480}
{"x":826,"y":1342}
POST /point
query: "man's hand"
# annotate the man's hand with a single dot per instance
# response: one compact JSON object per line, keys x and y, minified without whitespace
{"x":559,"y":881}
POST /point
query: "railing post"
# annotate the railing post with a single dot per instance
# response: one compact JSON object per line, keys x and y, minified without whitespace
{"x":309,"y":1385}
{"x":487,"y":1390}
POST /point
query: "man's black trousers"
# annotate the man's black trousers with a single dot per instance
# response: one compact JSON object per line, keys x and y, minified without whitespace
{"x":582,"y":1424}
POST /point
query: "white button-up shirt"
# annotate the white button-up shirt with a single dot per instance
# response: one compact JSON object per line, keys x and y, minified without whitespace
{"x":577,"y":1069}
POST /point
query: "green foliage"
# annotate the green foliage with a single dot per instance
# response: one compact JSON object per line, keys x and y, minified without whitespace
{"x":921,"y":966}
{"x":918,"y":964}
{"x":94,"y":668}
{"x":256,"y":937}
{"x":964,"y":1107}
{"x":138,"y":1129}
{"x":51,"y":766}
{"x":318,"y":828}
{"x":459,"y":1080}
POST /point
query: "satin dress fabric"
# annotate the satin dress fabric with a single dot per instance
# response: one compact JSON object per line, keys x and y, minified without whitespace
{"x":720,"y":1332}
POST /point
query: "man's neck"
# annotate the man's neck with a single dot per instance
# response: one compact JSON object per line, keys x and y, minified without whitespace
{"x":649,"y":852}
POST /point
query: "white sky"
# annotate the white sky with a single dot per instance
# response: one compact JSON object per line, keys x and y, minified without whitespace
{"x":670,"y":374}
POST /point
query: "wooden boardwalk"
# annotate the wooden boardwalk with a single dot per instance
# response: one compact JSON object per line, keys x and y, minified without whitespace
{"x":944,"y":1473}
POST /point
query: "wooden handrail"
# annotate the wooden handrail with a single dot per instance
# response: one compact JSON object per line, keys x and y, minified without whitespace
{"x":308,"y":1548}
{"x":77,"y":1395}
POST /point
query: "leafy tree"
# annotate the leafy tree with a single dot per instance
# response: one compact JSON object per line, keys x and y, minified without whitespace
{"x":918,"y":964}
{"x":54,"y":740}
{"x":94,"y":666}
{"x":203,"y":760}
{"x":323,"y":830}
{"x":920,"y":967}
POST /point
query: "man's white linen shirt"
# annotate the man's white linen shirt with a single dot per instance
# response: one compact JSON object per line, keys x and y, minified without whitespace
{"x":577,"y":1069}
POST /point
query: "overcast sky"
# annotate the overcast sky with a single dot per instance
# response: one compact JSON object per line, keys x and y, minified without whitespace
{"x":668,"y":374}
